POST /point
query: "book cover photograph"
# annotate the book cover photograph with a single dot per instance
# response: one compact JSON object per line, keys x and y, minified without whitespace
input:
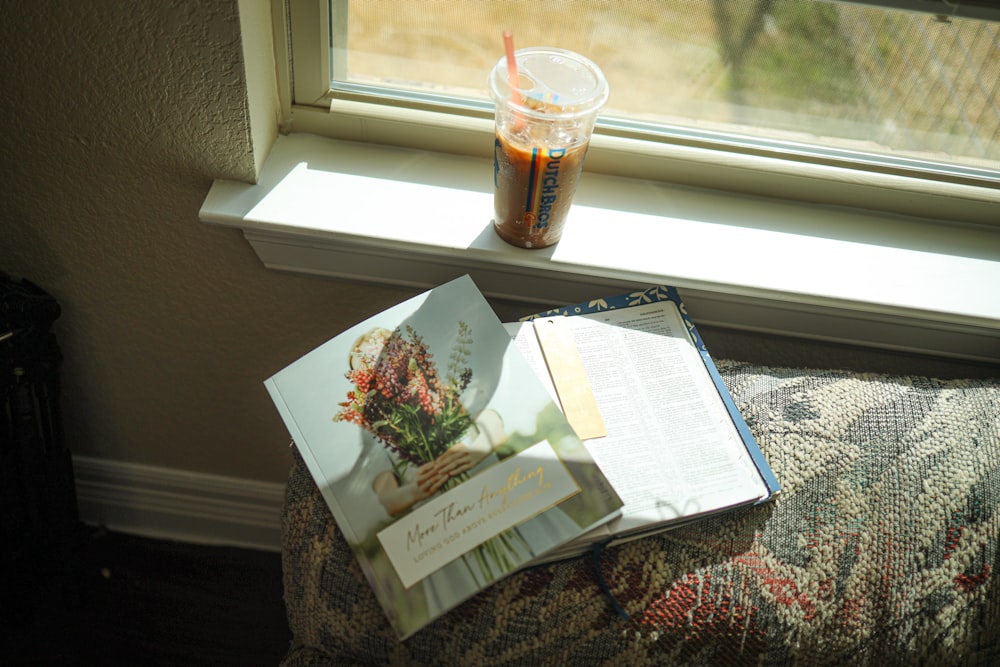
{"x":445,"y":460}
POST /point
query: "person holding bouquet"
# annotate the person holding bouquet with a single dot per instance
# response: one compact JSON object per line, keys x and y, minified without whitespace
{"x":437,"y":428}
{"x":398,"y":493}
{"x":418,"y":414}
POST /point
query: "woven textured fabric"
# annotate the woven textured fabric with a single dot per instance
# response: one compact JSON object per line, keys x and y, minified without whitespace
{"x":881,"y":549}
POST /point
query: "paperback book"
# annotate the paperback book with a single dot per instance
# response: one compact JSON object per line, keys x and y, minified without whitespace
{"x":444,"y":458}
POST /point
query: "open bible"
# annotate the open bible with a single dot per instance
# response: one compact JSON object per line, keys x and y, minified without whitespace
{"x":667,"y":434}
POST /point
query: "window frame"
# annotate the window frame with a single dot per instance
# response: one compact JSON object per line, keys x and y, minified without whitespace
{"x":765,"y":168}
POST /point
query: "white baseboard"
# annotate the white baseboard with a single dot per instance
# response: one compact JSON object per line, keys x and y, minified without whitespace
{"x":180,"y":505}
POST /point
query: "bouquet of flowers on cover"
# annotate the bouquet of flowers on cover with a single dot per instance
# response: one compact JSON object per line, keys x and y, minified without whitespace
{"x":400,"y":398}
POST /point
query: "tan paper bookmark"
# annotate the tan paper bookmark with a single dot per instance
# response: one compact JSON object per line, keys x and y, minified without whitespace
{"x":566,"y":368}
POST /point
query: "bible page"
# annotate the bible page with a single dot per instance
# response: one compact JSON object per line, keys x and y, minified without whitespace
{"x":672,"y":450}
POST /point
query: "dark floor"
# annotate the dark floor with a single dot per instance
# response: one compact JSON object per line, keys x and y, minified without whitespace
{"x":153,"y":602}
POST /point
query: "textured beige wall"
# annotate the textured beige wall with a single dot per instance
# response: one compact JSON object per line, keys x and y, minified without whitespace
{"x":116,"y":118}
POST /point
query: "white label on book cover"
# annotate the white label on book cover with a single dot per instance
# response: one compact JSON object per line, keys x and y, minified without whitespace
{"x":455,"y":522}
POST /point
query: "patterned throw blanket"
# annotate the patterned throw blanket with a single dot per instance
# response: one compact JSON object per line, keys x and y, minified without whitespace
{"x":882,"y":548}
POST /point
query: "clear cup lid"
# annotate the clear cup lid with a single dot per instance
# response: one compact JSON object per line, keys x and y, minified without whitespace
{"x":553,"y":77}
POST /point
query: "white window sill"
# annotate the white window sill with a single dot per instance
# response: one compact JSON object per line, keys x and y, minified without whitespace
{"x":406,"y":217}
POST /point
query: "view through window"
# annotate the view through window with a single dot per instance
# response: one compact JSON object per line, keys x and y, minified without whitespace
{"x":834,"y":80}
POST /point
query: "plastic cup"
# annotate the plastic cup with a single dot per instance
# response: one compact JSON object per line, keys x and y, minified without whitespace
{"x":543,"y":129}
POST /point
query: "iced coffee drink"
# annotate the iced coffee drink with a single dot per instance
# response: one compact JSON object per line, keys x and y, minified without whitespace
{"x":542,"y":133}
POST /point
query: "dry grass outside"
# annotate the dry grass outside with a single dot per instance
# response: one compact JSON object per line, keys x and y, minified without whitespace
{"x":807,"y":71}
{"x":671,"y":45}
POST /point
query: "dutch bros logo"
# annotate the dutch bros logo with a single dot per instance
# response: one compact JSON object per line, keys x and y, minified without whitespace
{"x":542,"y":191}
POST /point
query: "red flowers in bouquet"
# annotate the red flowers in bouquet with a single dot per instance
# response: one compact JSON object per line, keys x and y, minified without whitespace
{"x":401,"y":399}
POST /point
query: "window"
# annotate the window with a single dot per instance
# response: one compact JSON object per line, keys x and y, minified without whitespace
{"x":824,"y":198}
{"x":835,"y":89}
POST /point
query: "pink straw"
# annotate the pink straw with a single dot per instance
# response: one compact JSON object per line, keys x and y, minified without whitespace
{"x":515,"y":89}
{"x":508,"y":45}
